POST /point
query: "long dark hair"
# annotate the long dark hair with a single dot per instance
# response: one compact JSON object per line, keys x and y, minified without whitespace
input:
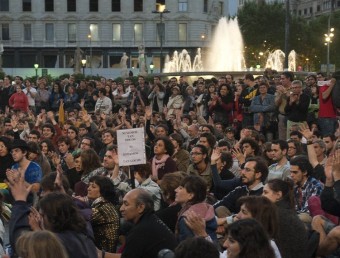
{"x":89,"y":161}
{"x":286,"y":188}
{"x":106,"y":188}
{"x":263,"y":211}
{"x":62,"y":213}
{"x":252,"y":238}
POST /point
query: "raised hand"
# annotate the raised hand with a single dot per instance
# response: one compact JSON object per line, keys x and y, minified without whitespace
{"x":336,"y":165}
{"x":215,"y":156}
{"x":50,"y":115}
{"x":148,"y":112}
{"x":35,"y":220}
{"x":195,"y":223}
{"x":306,"y":132}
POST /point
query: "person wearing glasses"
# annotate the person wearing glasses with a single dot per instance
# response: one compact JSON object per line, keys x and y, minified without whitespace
{"x":253,"y":175}
{"x":200,"y":164}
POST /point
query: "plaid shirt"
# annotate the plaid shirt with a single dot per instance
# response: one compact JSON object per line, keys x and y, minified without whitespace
{"x":311,"y":187}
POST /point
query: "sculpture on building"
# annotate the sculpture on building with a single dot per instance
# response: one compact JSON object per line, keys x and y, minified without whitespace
{"x":141,"y":60}
{"x":123,"y":66}
{"x":78,"y":55}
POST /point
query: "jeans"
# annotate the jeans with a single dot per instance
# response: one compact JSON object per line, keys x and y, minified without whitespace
{"x":327,"y":125}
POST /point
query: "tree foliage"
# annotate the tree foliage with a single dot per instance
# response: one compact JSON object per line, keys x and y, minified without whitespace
{"x":263,"y":29}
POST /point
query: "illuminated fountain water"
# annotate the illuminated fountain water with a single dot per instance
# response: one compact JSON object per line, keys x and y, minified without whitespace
{"x":225,"y":52}
{"x":276,"y":59}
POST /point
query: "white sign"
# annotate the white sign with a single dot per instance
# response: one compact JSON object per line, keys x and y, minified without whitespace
{"x":131,"y":147}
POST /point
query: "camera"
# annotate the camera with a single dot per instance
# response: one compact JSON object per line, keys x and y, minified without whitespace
{"x":166,"y":253}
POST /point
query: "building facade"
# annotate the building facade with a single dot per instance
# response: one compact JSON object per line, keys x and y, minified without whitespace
{"x":48,"y":32}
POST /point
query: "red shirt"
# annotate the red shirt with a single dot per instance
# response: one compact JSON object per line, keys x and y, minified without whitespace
{"x":326,"y":108}
{"x":19,"y":101}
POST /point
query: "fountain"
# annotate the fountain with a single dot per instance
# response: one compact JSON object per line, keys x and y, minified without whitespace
{"x":276,"y":59}
{"x":226,"y":52}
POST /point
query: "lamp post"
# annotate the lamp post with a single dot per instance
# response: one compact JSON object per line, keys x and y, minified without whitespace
{"x":90,"y":61}
{"x":1,"y":52}
{"x":36,"y":66}
{"x":328,"y":41}
{"x":161,"y":10}
{"x":151,"y":67}
{"x":83,"y":62}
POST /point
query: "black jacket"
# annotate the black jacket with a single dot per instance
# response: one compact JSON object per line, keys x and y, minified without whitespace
{"x":330,"y":199}
{"x":230,"y":200}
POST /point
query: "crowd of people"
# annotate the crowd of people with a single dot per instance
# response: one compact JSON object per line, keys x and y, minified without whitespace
{"x":235,"y":168}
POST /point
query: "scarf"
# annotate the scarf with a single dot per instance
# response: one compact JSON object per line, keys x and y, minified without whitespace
{"x":98,"y":200}
{"x":158,"y":163}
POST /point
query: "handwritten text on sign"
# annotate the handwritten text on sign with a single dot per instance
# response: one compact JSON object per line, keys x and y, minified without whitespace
{"x":131,"y":147}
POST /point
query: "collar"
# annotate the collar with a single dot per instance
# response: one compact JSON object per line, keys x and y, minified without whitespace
{"x":257,"y":187}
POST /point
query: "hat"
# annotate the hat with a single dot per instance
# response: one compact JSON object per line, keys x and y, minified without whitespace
{"x":175,"y":88}
{"x":230,"y":129}
{"x":20,"y":144}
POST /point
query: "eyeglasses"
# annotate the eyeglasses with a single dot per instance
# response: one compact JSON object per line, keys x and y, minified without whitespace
{"x":196,"y":153}
{"x":248,"y":169}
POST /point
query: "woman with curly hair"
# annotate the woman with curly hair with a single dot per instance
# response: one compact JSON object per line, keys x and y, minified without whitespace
{"x":104,"y":218}
{"x":162,"y":163}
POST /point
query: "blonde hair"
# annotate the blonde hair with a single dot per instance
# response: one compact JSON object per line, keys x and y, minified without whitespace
{"x":40,"y":244}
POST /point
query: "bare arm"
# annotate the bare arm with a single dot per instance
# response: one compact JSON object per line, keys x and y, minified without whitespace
{"x":328,"y":92}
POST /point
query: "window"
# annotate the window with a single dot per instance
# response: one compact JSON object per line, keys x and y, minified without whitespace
{"x":311,"y":10}
{"x":27,"y":32}
{"x":49,"y":5}
{"x":116,"y":32}
{"x":182,"y":32}
{"x":138,"y":6}
{"x":138,"y":32}
{"x":71,"y":5}
{"x":300,"y":12}
{"x":49,"y":31}
{"x":338,"y":4}
{"x":305,"y":11}
{"x":221,"y":8}
{"x":4,"y":5}
{"x":115,"y":5}
{"x":72,"y":32}
{"x":183,"y":5}
{"x":205,"y":6}
{"x":26,"y":5}
{"x":4,"y":31}
{"x":93,"y":6}
{"x":318,"y":8}
{"x":94,"y":32}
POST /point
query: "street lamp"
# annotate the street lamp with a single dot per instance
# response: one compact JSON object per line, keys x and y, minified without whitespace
{"x":36,"y":66}
{"x":328,"y":41}
{"x":83,"y":62}
{"x":151,"y":67}
{"x":160,"y":28}
{"x":90,"y":61}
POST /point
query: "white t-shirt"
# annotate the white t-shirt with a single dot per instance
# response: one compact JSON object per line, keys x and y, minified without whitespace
{"x":31,"y":101}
